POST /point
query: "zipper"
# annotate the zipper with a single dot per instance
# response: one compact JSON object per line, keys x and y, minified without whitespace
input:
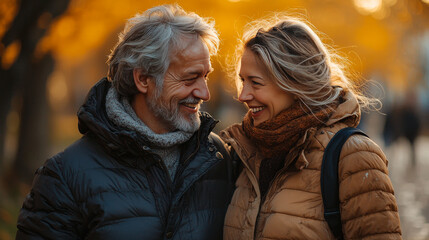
{"x":196,"y":149}
{"x":282,"y":171}
{"x":265,"y":197}
{"x":260,"y":202}
{"x":257,"y":219}
{"x":165,"y":170}
{"x":180,"y":170}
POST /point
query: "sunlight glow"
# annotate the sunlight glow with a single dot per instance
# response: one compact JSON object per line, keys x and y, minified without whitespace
{"x":381,"y":13}
{"x":57,"y":90}
{"x":390,"y":2}
{"x":368,"y":6}
{"x":10,"y":54}
{"x":8,"y":10}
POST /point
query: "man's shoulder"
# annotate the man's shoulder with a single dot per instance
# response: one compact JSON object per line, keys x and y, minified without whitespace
{"x":83,"y":153}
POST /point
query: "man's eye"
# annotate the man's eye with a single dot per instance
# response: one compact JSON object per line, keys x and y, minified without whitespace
{"x":191,"y":79}
{"x":256,"y":83}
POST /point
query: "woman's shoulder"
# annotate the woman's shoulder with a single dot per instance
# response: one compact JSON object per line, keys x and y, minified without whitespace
{"x":231,"y":131}
{"x":359,"y":154}
{"x":355,"y":142}
{"x":357,"y":150}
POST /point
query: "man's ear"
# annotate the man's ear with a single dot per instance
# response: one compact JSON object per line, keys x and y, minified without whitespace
{"x":141,"y":80}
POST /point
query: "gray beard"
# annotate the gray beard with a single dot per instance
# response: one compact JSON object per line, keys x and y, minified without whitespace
{"x":173,"y":117}
{"x":121,"y":113}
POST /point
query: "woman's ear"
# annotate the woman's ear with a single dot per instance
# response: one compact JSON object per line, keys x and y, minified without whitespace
{"x":141,"y":80}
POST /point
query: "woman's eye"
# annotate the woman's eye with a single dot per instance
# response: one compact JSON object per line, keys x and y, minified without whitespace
{"x":256,"y":83}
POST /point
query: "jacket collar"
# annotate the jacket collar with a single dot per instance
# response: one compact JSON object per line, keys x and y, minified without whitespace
{"x":348,"y":111}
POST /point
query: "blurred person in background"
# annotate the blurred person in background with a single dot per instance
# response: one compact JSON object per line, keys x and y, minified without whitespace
{"x":391,"y":128}
{"x":298,"y":98}
{"x":403,"y":121}
{"x":410,"y":123}
{"x":147,"y":166}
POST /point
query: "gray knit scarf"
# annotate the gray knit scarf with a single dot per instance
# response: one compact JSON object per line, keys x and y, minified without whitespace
{"x":120,"y":112}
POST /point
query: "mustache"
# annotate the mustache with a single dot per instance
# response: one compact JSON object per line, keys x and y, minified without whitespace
{"x":191,"y":100}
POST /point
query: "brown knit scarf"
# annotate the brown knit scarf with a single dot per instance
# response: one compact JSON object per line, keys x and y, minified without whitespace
{"x":274,"y":138}
{"x":277,"y":136}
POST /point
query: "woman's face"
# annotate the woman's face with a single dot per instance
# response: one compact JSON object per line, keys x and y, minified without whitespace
{"x":259,"y":91}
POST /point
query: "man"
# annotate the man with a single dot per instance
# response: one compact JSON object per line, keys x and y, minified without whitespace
{"x":148,"y":166}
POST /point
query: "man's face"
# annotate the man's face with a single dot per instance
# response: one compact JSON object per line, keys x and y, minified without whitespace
{"x":184,"y":87}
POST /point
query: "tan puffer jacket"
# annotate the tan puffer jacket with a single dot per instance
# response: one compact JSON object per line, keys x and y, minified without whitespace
{"x":293,"y":206}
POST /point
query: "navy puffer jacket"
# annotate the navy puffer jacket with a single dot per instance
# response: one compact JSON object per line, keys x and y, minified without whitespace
{"x":110,"y":185}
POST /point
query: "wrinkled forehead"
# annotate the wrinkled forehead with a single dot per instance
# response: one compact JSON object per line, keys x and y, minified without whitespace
{"x":189,"y":46}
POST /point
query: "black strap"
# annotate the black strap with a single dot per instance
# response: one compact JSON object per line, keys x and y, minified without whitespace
{"x":329,"y":179}
{"x":234,"y":162}
{"x":221,"y":147}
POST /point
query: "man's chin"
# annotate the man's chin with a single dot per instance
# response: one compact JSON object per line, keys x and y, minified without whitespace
{"x":190,"y":123}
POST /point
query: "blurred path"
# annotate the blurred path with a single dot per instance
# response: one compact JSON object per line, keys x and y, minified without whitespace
{"x":411,"y":185}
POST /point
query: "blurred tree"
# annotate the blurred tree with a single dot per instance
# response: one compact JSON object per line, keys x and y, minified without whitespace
{"x":25,"y":74}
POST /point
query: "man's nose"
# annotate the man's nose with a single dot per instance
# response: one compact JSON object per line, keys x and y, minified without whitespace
{"x":202,"y":90}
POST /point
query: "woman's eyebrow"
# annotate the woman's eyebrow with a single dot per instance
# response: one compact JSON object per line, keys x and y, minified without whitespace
{"x":250,"y":76}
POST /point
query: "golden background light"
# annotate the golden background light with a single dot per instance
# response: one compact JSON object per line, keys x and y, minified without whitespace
{"x":368,"y":6}
{"x":371,"y":33}
{"x":382,"y":40}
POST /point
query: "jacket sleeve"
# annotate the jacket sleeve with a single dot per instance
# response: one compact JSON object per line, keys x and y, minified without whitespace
{"x":368,"y":205}
{"x":49,"y":211}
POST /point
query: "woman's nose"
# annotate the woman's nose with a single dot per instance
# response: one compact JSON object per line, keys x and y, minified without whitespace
{"x":245,"y":94}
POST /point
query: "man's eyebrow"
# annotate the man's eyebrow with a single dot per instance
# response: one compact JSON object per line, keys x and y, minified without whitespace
{"x":200,"y":72}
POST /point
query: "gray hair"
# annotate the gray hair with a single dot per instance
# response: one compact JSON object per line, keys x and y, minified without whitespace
{"x":149,"y":39}
{"x":298,"y":61}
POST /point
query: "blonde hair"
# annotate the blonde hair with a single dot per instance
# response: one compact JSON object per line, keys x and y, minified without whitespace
{"x":299,"y":61}
{"x":149,"y":39}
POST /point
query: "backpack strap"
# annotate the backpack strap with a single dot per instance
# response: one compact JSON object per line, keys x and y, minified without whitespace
{"x":329,"y":179}
{"x":222,"y":148}
{"x":237,"y":165}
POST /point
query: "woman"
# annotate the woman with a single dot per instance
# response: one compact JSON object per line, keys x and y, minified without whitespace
{"x":298,"y":98}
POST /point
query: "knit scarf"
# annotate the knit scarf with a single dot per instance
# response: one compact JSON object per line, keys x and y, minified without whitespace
{"x":278,"y":135}
{"x":120,"y":112}
{"x":166,"y":145}
{"x":275,"y":137}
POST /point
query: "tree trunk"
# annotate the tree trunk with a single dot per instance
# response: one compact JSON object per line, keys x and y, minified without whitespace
{"x":20,"y":75}
{"x":34,"y":126}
